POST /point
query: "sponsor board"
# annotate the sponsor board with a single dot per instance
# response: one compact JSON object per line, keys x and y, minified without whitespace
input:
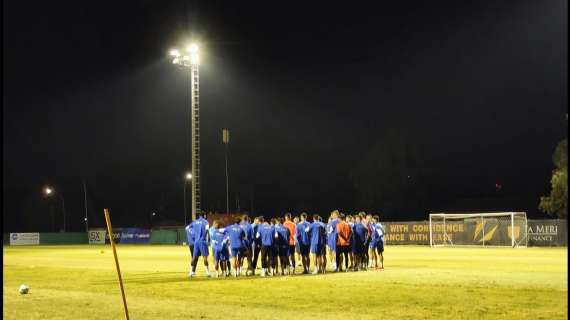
{"x":20,"y":239}
{"x":97,"y":236}
{"x":491,"y":232}
{"x":547,"y":232}
{"x":129,"y":235}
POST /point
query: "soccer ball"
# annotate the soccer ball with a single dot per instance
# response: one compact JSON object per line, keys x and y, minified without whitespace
{"x":24,"y":289}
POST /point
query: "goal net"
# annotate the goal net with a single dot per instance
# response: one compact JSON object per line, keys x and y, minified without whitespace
{"x":499,"y":229}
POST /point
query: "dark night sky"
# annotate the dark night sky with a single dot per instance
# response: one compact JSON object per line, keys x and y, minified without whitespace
{"x":306,"y":91}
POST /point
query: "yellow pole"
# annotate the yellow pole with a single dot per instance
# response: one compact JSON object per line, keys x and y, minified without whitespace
{"x":110,"y":231}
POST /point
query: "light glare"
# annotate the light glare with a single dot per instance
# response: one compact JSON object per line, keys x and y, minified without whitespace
{"x":193,"y":48}
{"x":174,"y":52}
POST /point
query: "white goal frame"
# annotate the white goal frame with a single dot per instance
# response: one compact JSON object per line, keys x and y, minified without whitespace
{"x":447,"y":240}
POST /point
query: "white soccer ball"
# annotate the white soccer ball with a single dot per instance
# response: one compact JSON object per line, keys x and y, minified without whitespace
{"x":24,"y":289}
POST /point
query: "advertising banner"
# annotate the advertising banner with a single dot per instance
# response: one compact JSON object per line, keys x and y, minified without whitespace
{"x":97,"y":236}
{"x":129,"y":235}
{"x":473,"y":232}
{"x":20,"y":239}
{"x":411,"y":232}
{"x":547,"y":232}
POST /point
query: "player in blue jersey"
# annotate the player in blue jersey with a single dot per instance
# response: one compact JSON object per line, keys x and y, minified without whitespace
{"x":316,"y":232}
{"x":282,"y":242}
{"x":249,"y":236}
{"x":332,"y":238}
{"x":304,"y":242}
{"x":200,"y":231}
{"x":237,"y":245}
{"x":219,"y":243}
{"x":367,"y":220}
{"x":266,"y":232}
{"x":374,"y":243}
{"x":256,"y":243}
{"x":324,"y":246}
{"x":190,"y":239}
{"x":358,"y":246}
{"x":212,"y":231}
{"x":380,"y":246}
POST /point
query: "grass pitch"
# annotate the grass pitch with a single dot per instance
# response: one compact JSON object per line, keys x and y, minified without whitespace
{"x":80,"y":282}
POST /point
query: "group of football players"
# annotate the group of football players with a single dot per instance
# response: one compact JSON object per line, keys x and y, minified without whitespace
{"x":357,"y":240}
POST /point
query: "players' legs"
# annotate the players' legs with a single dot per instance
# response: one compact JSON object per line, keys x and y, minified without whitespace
{"x":194,"y":263}
{"x":373,"y":258}
{"x":200,"y":249}
{"x":235,"y":261}
{"x":264,"y":260}
{"x":324,"y":260}
{"x":356,"y":260}
{"x":273,"y":260}
{"x":306,"y":261}
{"x":240,"y":262}
{"x":195,"y":256}
{"x":223,"y":267}
{"x":205,"y":253}
{"x":191,"y":247}
{"x":345,"y":253}
{"x":292,"y":259}
{"x":283,"y":262}
{"x":248,"y":257}
{"x":380,"y":254}
{"x":315,"y":262}
{"x":216,"y":264}
{"x":338,"y":259}
{"x":256,"y":250}
{"x":298,"y":254}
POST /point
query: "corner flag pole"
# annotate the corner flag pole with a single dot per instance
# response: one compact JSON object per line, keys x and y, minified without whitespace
{"x":110,"y":231}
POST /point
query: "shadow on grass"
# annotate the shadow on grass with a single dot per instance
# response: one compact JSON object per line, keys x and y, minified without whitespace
{"x":154,"y":277}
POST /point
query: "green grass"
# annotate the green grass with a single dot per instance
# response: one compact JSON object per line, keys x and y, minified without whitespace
{"x":80,"y":282}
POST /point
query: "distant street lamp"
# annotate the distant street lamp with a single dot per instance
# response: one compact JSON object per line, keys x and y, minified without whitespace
{"x":191,"y":60}
{"x":85,"y":202}
{"x":187,"y":177}
{"x":48,"y":191}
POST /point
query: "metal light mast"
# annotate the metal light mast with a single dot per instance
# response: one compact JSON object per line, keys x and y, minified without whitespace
{"x":226,"y":142}
{"x":192,"y":61}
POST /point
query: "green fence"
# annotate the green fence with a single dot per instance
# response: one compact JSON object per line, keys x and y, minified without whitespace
{"x":182,"y":236}
{"x":163,"y":237}
{"x":63,"y":238}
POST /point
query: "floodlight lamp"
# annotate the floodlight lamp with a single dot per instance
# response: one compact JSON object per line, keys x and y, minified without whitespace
{"x":48,"y":191}
{"x":188,"y":176}
{"x":193,"y":48}
{"x":175,"y":61}
{"x":174,"y":53}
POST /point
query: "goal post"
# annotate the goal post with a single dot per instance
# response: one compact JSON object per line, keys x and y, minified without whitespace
{"x":495,"y":229}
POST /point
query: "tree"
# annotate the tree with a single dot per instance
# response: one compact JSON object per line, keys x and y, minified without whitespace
{"x":556,"y":204}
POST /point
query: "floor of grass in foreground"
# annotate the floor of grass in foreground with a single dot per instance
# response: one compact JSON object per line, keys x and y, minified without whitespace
{"x":80,"y":282}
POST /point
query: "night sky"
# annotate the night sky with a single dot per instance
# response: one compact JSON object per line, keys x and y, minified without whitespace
{"x":308,"y":91}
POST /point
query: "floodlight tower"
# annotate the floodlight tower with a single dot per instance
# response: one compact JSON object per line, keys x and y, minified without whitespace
{"x":191,"y":60}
